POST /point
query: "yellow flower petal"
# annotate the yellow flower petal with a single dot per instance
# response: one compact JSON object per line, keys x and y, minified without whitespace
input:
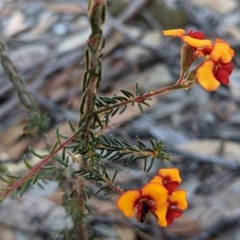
{"x":157,"y":179}
{"x":161,"y":213}
{"x":178,"y":197}
{"x":170,"y":173}
{"x":155,"y":192}
{"x":221,"y":52}
{"x":193,"y":42}
{"x":127,"y":202}
{"x":205,"y":76}
{"x":231,"y":52}
{"x":174,"y":32}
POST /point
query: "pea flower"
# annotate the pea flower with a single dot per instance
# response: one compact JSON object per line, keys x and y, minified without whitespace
{"x":140,"y":202}
{"x":193,"y":38}
{"x":169,"y":178}
{"x":194,"y":46}
{"x":158,"y":197}
{"x":217,"y":67}
{"x":174,"y":207}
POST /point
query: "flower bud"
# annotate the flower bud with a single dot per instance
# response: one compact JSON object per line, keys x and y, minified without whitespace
{"x":187,"y":57}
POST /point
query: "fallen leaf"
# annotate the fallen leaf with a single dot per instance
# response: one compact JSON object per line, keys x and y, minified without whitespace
{"x":6,"y":233}
{"x":73,"y":42}
{"x":15,"y":24}
{"x":229,"y":149}
{"x":125,"y":233}
{"x":130,"y":113}
{"x":66,"y":8}
{"x":221,"y":6}
{"x":18,"y":149}
{"x":46,"y":21}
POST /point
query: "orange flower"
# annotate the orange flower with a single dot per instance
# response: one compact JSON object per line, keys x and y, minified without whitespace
{"x":140,"y":202}
{"x":158,"y":197}
{"x":173,"y":209}
{"x":194,"y":39}
{"x":217,"y":67}
{"x":169,"y":178}
{"x":194,"y":46}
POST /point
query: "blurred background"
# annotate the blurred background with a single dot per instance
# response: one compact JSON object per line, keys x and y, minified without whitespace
{"x":46,"y":42}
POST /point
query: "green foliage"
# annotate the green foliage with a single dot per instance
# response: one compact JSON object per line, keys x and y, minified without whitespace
{"x":113,"y":149}
{"x":110,"y":106}
{"x":38,"y":123}
{"x":89,"y":148}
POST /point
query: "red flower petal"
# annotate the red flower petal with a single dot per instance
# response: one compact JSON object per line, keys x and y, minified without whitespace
{"x":189,"y":33}
{"x":171,"y":186}
{"x":172,"y":214}
{"x":151,"y":206}
{"x":197,"y":35}
{"x":228,"y":67}
{"x":222,"y":76}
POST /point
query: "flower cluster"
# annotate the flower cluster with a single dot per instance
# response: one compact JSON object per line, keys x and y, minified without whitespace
{"x":217,"y":64}
{"x":159,"y":197}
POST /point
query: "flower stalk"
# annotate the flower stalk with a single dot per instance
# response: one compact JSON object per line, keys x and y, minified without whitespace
{"x":180,"y":84}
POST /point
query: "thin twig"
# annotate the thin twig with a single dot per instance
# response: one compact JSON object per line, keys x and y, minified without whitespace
{"x":132,"y":9}
{"x":146,"y":96}
{"x":36,"y":168}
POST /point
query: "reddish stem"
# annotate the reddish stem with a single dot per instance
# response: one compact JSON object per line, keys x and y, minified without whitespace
{"x":37,"y":167}
{"x":115,"y":188}
{"x":179,"y":81}
{"x":141,"y":98}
